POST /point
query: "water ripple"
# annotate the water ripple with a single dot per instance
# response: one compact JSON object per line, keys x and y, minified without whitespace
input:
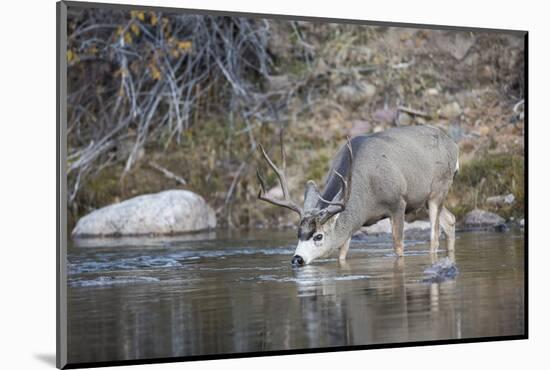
{"x":111,"y":280}
{"x":114,"y":262}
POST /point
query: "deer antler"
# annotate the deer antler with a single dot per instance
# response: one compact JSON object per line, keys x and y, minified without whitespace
{"x":337,"y":207}
{"x":287,"y":202}
{"x":344,"y":187}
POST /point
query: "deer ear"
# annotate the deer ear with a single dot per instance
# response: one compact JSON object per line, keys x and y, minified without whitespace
{"x":311,"y":195}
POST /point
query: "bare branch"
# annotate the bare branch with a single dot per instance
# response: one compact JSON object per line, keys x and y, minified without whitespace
{"x":142,"y":85}
{"x":413,"y":112}
{"x":168,"y":174}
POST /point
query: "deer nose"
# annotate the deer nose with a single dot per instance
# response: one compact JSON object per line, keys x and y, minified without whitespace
{"x":297,"y":260}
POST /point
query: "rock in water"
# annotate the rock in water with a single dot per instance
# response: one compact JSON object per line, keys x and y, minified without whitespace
{"x":167,"y":212}
{"x":480,"y":219}
{"x":417,"y":228}
{"x":384,"y":226}
{"x":381,"y":227}
{"x":441,"y":270}
{"x":418,"y":225}
{"x":501,"y":200}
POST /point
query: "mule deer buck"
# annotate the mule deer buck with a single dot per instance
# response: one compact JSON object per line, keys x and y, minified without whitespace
{"x":386,"y":174}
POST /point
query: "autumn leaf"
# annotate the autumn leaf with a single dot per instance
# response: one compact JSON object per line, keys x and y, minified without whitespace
{"x":155,"y":73}
{"x":184,"y":45}
{"x":127,"y":38}
{"x":72,"y":57}
{"x":165,"y":24}
{"x":137,"y":14}
{"x":154,"y":19}
{"x":135,"y":29}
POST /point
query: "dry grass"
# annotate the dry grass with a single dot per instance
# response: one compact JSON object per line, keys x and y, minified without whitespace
{"x":313,"y":64}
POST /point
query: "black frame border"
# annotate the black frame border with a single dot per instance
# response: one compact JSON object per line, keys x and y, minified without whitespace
{"x":61,"y":187}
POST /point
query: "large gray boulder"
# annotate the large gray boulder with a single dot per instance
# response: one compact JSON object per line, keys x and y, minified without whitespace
{"x":480,"y":218}
{"x":167,"y":212}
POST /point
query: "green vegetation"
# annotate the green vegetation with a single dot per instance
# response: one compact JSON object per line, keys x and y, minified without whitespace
{"x":490,"y":175}
{"x":318,"y":168}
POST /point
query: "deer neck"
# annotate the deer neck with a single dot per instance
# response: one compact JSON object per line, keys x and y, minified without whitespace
{"x":344,"y":227}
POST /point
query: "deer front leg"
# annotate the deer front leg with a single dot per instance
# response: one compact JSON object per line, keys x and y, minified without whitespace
{"x":344,"y":250}
{"x":397,"y":224}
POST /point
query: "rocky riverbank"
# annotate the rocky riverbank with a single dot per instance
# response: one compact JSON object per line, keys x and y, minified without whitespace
{"x":352,"y":82}
{"x":475,"y":220}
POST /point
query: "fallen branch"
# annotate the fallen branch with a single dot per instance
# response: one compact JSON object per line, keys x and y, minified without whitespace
{"x":168,"y":174}
{"x":413,"y":112}
{"x":403,"y":65}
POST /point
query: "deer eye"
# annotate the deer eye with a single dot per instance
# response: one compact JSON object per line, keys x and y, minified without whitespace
{"x":318,"y":237}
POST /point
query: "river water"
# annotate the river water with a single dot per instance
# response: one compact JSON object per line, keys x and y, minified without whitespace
{"x":216,"y":293}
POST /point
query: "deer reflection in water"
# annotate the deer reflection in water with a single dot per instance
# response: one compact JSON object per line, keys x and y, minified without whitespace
{"x":354,"y":308}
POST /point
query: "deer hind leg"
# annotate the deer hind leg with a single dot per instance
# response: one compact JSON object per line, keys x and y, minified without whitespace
{"x":434,"y":209}
{"x":397,"y":223}
{"x":448,"y":221}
